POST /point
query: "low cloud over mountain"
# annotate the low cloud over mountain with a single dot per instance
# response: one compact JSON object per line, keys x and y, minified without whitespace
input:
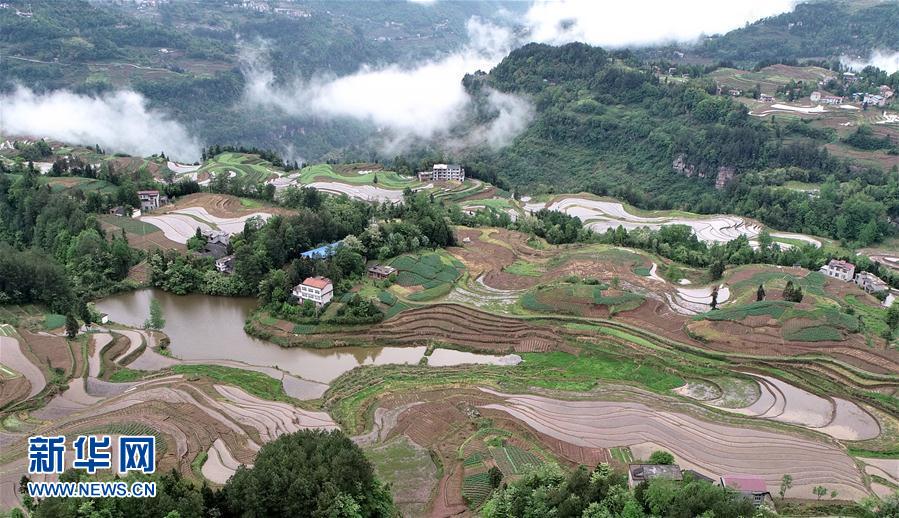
{"x":118,"y":121}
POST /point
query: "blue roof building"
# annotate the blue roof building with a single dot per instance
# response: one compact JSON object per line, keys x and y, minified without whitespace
{"x":323,"y":252}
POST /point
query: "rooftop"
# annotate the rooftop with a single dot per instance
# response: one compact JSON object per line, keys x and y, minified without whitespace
{"x":322,"y":251}
{"x":641,"y":472}
{"x":839,"y":263}
{"x":749,"y":483}
{"x":317,"y":282}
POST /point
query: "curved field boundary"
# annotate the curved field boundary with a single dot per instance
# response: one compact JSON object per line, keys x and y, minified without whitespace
{"x":14,"y":358}
{"x":602,"y":214}
{"x":711,"y":447}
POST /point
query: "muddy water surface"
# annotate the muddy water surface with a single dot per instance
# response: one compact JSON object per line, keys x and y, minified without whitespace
{"x":202,"y":327}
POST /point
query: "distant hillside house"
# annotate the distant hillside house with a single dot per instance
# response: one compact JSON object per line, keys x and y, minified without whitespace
{"x":637,"y":473}
{"x":765,"y":98}
{"x":870,"y":282}
{"x":750,"y":486}
{"x":874,"y":100}
{"x":118,"y":211}
{"x":443,"y":173}
{"x":818,"y":97}
{"x":839,"y":269}
{"x":380,"y":271}
{"x":150,"y":200}
{"x":317,"y":289}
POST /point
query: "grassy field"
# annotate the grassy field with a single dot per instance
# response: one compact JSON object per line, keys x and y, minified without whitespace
{"x":251,"y":167}
{"x":130,"y":225}
{"x":385,"y":179}
{"x":253,"y":382}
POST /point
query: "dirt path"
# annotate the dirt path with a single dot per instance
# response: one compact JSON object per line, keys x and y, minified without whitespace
{"x":13,"y":357}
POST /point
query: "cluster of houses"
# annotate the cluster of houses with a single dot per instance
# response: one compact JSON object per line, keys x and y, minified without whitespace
{"x":845,"y":271}
{"x":867,"y":99}
{"x":443,"y":173}
{"x":752,"y":487}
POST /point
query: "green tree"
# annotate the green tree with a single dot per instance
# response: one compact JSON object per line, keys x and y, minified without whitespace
{"x":893,"y":316}
{"x":156,"y":320}
{"x":71,"y":326}
{"x":496,"y":476}
{"x":308,"y":473}
{"x":819,"y":491}
{"x":716,"y":270}
{"x":786,"y":482}
{"x":661,"y":457}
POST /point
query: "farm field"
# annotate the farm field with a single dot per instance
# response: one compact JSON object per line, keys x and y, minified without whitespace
{"x":598,"y":330}
{"x":603,"y":214}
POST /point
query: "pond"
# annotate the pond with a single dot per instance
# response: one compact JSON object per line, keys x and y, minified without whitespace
{"x":203,"y":327}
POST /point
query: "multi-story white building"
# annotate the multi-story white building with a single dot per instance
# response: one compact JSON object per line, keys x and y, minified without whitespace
{"x":870,"y":282}
{"x":319,"y":290}
{"x":443,"y":173}
{"x":149,"y":200}
{"x":839,"y":269}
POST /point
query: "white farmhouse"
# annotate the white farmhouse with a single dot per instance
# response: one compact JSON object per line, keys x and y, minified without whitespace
{"x":839,"y":269}
{"x":319,"y":290}
{"x":870,"y":282}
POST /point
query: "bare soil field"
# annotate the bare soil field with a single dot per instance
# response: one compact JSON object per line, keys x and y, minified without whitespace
{"x":468,"y":327}
{"x":223,"y":205}
{"x":51,"y":351}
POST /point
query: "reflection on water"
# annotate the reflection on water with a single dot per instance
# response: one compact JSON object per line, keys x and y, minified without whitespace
{"x":202,"y":327}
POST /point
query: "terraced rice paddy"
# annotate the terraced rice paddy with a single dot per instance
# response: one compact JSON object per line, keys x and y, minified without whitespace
{"x":706,"y":446}
{"x":601,"y":215}
{"x":781,"y":401}
{"x":181,"y":224}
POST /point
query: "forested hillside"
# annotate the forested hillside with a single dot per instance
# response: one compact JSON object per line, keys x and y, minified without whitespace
{"x":185,"y":57}
{"x":607,"y":124}
{"x":822,"y":30}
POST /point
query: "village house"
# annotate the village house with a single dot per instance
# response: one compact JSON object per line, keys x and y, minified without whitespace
{"x":765,"y":98}
{"x":637,"y":473}
{"x":225,"y":264}
{"x":734,"y":92}
{"x":751,"y":486}
{"x":870,"y":282}
{"x":118,"y":211}
{"x":380,"y":271}
{"x":216,"y":244}
{"x":317,"y":289}
{"x":150,"y":200}
{"x":443,"y":173}
{"x":885,"y":91}
{"x":839,"y":269}
{"x":823,"y":98}
{"x":874,"y":100}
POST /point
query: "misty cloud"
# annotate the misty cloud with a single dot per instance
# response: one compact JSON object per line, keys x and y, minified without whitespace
{"x":642,"y":22}
{"x":406,"y":103}
{"x":883,"y":59}
{"x":119,"y":122}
